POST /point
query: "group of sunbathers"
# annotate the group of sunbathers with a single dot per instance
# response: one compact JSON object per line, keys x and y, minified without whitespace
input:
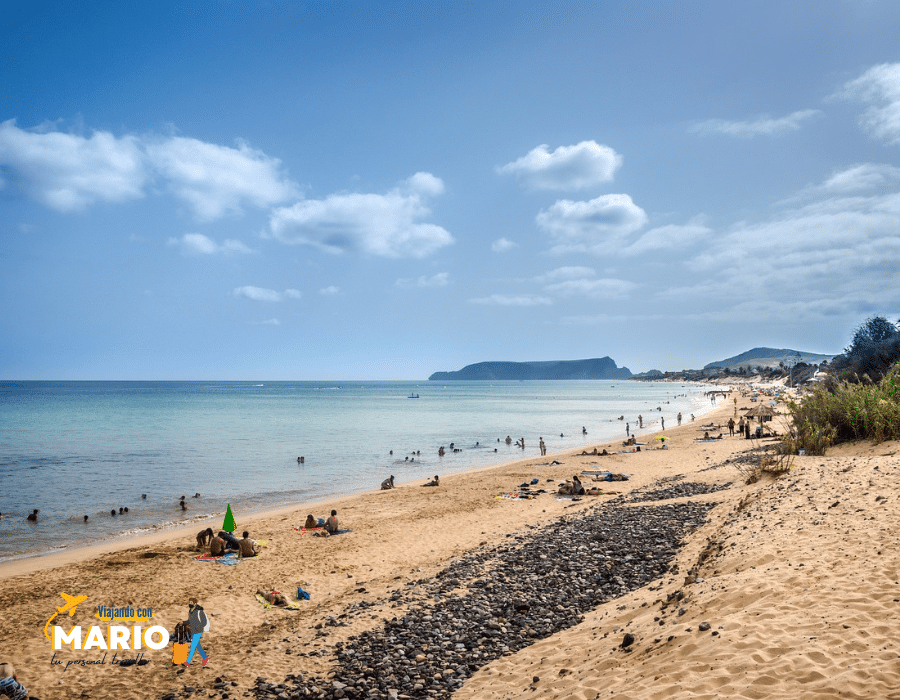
{"x":223,"y":542}
{"x":329,"y":526}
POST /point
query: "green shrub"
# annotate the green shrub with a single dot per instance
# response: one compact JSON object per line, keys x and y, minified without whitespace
{"x":840,"y":410}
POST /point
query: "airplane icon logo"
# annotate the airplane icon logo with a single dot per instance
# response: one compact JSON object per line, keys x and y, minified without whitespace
{"x":70,"y":606}
{"x":72,"y":602}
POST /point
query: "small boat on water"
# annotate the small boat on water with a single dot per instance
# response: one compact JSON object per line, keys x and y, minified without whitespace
{"x":413,"y":396}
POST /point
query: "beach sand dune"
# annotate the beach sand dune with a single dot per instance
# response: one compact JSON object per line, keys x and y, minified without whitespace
{"x":797,"y":578}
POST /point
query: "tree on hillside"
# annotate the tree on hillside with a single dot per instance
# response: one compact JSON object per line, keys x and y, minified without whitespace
{"x":873,"y":331}
{"x":874,"y":348}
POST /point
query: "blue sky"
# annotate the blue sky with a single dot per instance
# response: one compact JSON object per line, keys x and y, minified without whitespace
{"x":324,"y":190}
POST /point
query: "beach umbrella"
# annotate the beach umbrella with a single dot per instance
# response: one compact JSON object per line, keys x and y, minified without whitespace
{"x":229,"y":525}
{"x":762,"y":412}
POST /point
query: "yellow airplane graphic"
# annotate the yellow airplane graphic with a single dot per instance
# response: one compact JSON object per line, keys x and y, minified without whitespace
{"x":71,"y":604}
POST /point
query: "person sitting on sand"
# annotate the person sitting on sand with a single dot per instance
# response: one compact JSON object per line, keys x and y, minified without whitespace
{"x":436,"y":482}
{"x":388,"y":483}
{"x":311,"y":523}
{"x":231,"y":542}
{"x":247,"y":547}
{"x":332,"y":525}
{"x":216,"y":546}
{"x":9,"y":684}
{"x":577,"y":488}
{"x":273,"y":598}
{"x":204,"y":537}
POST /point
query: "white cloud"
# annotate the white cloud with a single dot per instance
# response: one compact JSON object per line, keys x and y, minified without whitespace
{"x":880,"y":86}
{"x":569,"y":272}
{"x":329,"y":291}
{"x":198,"y":244}
{"x":593,"y":288}
{"x":762,"y":126}
{"x":513,"y":300}
{"x":386,"y":225}
{"x":217,"y":180}
{"x":269,"y":322}
{"x":863,"y":177}
{"x":597,"y":226}
{"x":581,"y":281}
{"x":441,"y":279}
{"x":833,"y":255}
{"x":503,"y":245}
{"x":263,"y":294}
{"x":674,"y":237}
{"x":68,"y":172}
{"x":586,"y":164}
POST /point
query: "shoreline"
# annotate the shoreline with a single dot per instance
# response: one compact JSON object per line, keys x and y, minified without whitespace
{"x":397,"y":537}
{"x":30,"y":562}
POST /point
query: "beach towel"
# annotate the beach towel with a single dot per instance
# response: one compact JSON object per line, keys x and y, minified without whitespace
{"x":292,"y":605}
{"x":317,"y":530}
{"x":230,"y":558}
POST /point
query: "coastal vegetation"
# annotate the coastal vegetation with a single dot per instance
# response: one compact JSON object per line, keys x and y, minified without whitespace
{"x":859,"y":400}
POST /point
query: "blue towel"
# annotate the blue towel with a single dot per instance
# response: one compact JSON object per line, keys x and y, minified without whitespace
{"x":301,"y":594}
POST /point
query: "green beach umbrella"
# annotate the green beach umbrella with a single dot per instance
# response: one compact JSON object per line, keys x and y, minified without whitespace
{"x":229,"y":525}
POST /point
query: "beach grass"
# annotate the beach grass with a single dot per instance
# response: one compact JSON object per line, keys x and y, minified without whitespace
{"x":842,"y":410}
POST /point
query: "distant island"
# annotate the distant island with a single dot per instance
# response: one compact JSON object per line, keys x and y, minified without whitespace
{"x":597,"y":368}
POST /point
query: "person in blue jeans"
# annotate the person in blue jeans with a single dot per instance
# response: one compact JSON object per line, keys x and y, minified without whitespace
{"x":197,"y":622}
{"x":9,"y":684}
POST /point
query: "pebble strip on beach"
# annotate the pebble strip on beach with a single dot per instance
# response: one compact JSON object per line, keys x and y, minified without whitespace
{"x":495,"y":601}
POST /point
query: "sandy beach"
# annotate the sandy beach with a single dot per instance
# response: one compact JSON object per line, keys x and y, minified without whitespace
{"x":789,"y":589}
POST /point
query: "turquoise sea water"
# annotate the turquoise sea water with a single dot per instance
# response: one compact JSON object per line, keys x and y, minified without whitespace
{"x":84,"y":448}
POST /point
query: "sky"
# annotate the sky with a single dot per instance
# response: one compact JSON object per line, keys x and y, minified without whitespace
{"x":382,"y":190}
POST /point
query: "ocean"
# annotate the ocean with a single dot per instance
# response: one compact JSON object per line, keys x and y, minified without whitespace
{"x":72,"y":449}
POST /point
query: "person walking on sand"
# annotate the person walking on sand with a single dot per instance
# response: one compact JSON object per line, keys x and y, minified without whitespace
{"x":731,"y":426}
{"x":543,"y":447}
{"x":679,"y":418}
{"x":663,"y":421}
{"x":199,"y":623}
{"x":640,"y":421}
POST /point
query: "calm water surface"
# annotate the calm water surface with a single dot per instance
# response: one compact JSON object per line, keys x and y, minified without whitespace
{"x":84,"y":448}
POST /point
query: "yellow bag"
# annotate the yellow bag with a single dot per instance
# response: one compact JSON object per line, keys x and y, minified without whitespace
{"x":180,"y":653}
